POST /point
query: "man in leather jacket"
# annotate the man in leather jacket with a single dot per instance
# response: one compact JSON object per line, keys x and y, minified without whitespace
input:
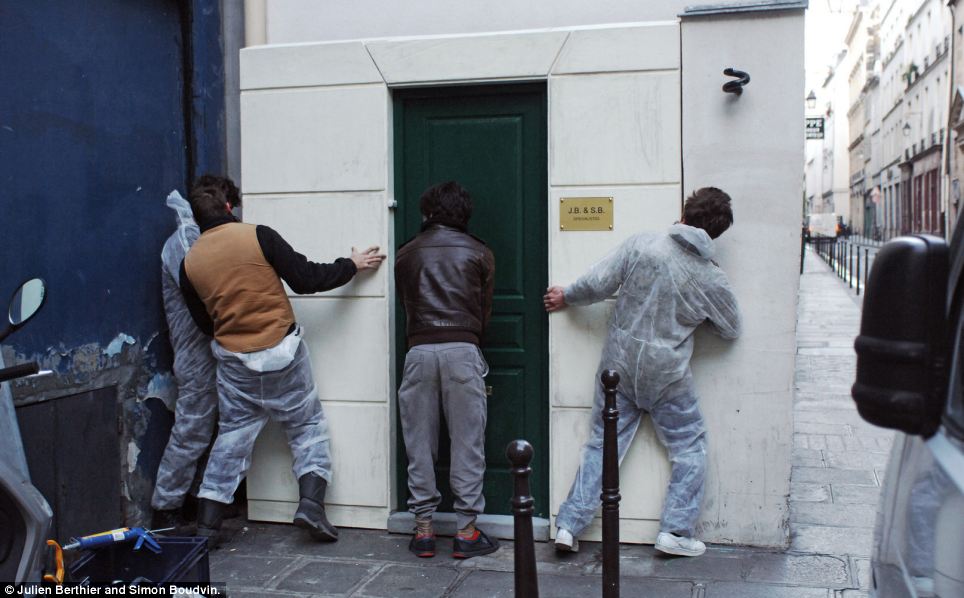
{"x":445,"y":279}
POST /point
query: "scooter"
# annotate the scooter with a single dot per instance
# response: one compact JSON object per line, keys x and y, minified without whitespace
{"x":25,"y":516}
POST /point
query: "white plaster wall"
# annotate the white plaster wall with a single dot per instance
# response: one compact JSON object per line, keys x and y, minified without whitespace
{"x":752,"y":147}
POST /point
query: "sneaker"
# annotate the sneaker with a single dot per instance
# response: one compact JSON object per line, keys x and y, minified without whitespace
{"x":422,"y":546}
{"x":679,"y":545}
{"x":565,"y":542}
{"x":478,"y":545}
{"x":924,"y":586}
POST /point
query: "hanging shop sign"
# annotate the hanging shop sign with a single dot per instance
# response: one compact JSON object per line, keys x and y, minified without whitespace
{"x":814,"y":127}
{"x":585,"y":213}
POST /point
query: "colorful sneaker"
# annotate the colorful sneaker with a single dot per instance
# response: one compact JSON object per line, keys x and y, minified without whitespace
{"x":479,"y":544}
{"x":565,"y":542}
{"x":422,"y":546}
{"x":679,"y":545}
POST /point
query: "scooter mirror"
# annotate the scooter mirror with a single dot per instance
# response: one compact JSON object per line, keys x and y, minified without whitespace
{"x":26,"y":301}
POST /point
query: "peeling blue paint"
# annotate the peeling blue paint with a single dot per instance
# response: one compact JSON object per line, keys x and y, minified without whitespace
{"x":163,"y":386}
{"x":117,"y":345}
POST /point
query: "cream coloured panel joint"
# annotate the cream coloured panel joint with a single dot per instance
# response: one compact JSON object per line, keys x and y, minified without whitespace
{"x":324,"y":227}
{"x":614,"y":129}
{"x":315,"y":139}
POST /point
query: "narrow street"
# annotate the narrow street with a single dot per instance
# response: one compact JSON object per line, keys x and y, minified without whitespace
{"x":838,"y":463}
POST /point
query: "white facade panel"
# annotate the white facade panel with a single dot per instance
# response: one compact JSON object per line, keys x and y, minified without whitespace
{"x":510,"y":56}
{"x":363,"y":222}
{"x":573,"y":372}
{"x":307,"y":65}
{"x":349,"y":345}
{"x":653,"y":47}
{"x":309,"y":140}
{"x":614,"y":129}
{"x":360,"y":474}
{"x":635,"y":209}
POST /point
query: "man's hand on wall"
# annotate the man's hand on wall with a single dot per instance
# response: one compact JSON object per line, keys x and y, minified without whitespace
{"x":554,"y":299}
{"x":369,"y":259}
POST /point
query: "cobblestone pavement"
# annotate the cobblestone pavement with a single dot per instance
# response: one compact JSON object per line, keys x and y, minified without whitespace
{"x":838,"y":462}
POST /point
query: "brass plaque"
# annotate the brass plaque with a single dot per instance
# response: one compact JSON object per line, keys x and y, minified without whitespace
{"x":585,"y":213}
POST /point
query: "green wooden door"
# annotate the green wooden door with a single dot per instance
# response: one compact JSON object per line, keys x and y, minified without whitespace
{"x":492,"y":140}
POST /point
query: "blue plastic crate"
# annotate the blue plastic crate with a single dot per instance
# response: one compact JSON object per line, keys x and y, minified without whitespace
{"x":181,"y":560}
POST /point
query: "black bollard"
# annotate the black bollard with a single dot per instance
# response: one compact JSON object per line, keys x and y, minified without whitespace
{"x":519,"y":453}
{"x":610,"y":488}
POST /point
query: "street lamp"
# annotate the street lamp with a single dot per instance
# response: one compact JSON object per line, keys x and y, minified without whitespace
{"x":811,"y":100}
{"x":906,"y":129}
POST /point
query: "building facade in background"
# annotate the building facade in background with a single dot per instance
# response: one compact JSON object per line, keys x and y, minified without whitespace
{"x":954,"y":150}
{"x":898,"y":70}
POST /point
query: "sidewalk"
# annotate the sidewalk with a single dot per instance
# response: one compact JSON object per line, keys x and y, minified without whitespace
{"x":838,"y":462}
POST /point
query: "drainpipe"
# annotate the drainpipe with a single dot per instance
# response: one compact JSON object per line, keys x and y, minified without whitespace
{"x":255,"y":22}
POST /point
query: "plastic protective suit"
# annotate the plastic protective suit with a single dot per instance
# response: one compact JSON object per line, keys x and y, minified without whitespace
{"x":248,"y":400}
{"x":196,"y":410}
{"x":668,"y":285}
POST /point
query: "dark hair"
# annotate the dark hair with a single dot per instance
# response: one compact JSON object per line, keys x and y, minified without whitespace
{"x":447,"y":203}
{"x":207,"y":204}
{"x":223,"y":183}
{"x":709,"y":208}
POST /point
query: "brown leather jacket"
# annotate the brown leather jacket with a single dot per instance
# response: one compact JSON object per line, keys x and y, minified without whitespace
{"x":445,"y":279}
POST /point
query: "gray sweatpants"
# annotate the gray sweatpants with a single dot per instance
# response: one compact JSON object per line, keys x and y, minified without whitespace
{"x":679,"y":427}
{"x":444,"y":379}
{"x":247,"y":399}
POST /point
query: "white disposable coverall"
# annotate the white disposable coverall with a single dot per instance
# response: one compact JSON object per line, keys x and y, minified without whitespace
{"x":196,"y":410}
{"x":668,"y":285}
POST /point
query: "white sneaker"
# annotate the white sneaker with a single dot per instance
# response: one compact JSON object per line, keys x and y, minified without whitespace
{"x":678,"y":545}
{"x":565,"y":542}
{"x":924,"y":586}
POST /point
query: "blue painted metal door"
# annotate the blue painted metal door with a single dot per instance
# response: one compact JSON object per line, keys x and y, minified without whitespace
{"x":103,"y":111}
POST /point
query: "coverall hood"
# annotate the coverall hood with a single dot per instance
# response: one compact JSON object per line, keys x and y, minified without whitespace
{"x":692,"y":239}
{"x":185,"y":219}
{"x":193,"y":362}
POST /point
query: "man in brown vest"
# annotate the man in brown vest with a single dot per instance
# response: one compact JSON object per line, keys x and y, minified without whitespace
{"x":231,"y":280}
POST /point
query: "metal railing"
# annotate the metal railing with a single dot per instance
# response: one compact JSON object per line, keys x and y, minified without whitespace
{"x":851,"y":258}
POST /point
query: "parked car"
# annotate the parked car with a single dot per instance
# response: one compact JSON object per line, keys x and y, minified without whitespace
{"x":910,"y":377}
